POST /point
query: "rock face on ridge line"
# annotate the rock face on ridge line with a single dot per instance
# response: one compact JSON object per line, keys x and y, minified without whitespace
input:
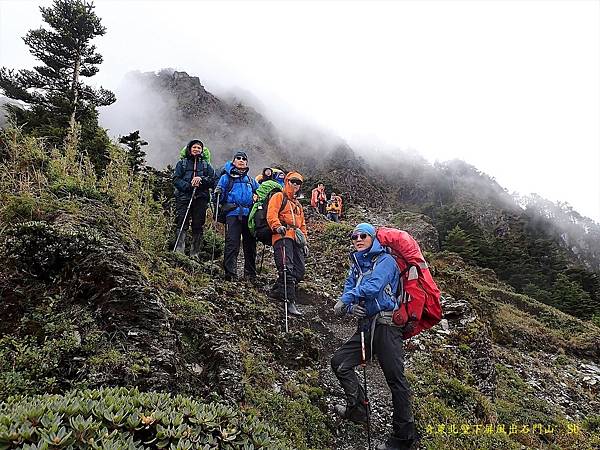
{"x":180,"y":108}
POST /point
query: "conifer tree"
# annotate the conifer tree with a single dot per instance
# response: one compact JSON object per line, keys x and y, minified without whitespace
{"x":570,"y":297}
{"x":134,"y":150}
{"x":55,"y":96}
{"x":458,"y":241}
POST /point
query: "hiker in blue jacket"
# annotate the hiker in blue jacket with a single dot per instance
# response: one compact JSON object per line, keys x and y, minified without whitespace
{"x":369,"y":295}
{"x":236,"y":192}
{"x":192,"y":171}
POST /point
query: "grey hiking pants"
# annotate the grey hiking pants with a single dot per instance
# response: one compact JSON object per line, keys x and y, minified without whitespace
{"x":387,"y":345}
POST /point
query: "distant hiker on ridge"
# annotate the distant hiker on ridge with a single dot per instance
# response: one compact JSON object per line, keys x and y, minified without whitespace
{"x":285,"y":217}
{"x":369,"y":296}
{"x":193,"y":174}
{"x":334,"y":207}
{"x":235,"y":190}
{"x":318,"y":198}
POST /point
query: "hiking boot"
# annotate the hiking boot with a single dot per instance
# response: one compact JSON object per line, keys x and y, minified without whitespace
{"x":196,"y":245}
{"x":393,"y":443}
{"x":180,"y":248}
{"x":356,"y":414}
{"x":275,"y":292}
{"x":293,"y":310}
{"x":230,"y":277}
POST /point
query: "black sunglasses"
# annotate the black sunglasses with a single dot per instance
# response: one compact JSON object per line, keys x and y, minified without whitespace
{"x":355,"y":237}
{"x":296,"y":182}
{"x":241,"y":158}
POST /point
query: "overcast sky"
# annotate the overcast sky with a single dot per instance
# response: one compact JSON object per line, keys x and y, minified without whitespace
{"x":512,"y":87}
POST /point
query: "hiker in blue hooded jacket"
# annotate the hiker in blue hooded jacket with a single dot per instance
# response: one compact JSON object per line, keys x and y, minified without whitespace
{"x":192,"y":171}
{"x":236,"y":193}
{"x":369,"y":295}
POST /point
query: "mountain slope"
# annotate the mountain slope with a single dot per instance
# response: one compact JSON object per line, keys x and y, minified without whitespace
{"x":170,"y":107}
{"x":92,"y":297}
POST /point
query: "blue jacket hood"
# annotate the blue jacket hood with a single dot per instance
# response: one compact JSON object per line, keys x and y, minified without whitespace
{"x":365,"y":257}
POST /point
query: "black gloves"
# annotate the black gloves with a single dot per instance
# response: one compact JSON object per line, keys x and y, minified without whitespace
{"x":358,"y":311}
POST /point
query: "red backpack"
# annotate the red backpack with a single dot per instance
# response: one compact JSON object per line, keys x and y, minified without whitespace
{"x":419,"y":306}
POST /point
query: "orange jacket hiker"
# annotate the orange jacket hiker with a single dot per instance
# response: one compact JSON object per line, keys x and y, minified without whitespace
{"x":292,"y":214}
{"x":318,"y":196}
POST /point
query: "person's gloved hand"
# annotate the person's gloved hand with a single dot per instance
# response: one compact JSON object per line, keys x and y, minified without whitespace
{"x":305,"y":250}
{"x":218,"y":190}
{"x":358,"y":311}
{"x":205,"y":181}
{"x":281,"y":230}
{"x":340,"y":308}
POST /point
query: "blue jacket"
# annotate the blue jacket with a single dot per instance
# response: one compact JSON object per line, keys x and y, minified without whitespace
{"x":237,"y":189}
{"x":184,"y":172}
{"x":379,"y":282}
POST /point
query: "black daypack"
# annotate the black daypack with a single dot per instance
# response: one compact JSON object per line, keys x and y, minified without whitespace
{"x":262,"y":231}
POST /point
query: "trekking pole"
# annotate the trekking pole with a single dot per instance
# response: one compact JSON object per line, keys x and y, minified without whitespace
{"x":262,"y":258}
{"x":212,"y":259}
{"x":363,"y":363}
{"x":285,"y":295}
{"x":187,"y":211}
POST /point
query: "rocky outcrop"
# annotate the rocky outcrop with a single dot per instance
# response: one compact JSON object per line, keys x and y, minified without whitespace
{"x":189,"y":111}
{"x":83,"y":262}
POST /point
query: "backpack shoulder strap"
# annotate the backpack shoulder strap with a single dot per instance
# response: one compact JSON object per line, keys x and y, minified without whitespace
{"x":283,"y":202}
{"x":228,"y":187}
{"x":398,"y":255}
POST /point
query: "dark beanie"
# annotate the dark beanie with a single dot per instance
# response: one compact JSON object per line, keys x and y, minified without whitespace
{"x":240,"y":153}
{"x":195,"y":141}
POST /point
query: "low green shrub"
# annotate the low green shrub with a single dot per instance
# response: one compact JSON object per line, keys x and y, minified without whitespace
{"x":44,"y":249}
{"x":123,"y":418}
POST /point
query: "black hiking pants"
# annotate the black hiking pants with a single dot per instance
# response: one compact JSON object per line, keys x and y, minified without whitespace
{"x":294,"y":255}
{"x":197,"y":214}
{"x":322,"y":207}
{"x":236,"y":230}
{"x":387,"y":345}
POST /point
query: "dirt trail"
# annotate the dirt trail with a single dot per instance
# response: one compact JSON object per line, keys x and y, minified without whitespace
{"x":348,"y":435}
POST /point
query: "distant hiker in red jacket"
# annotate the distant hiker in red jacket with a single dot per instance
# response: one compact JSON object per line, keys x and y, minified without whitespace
{"x":318,"y":199}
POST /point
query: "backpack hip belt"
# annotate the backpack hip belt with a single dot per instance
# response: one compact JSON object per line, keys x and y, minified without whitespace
{"x":385,"y":318}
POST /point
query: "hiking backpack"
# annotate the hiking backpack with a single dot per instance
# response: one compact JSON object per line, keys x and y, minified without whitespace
{"x":419,"y":306}
{"x":258,"y":222}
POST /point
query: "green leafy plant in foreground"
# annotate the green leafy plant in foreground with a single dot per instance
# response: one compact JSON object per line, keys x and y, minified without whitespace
{"x":124,"y":418}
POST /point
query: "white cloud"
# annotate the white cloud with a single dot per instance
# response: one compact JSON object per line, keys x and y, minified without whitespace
{"x":511,"y":87}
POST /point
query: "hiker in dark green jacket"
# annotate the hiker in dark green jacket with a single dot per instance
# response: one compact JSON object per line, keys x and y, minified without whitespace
{"x":193,"y":171}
